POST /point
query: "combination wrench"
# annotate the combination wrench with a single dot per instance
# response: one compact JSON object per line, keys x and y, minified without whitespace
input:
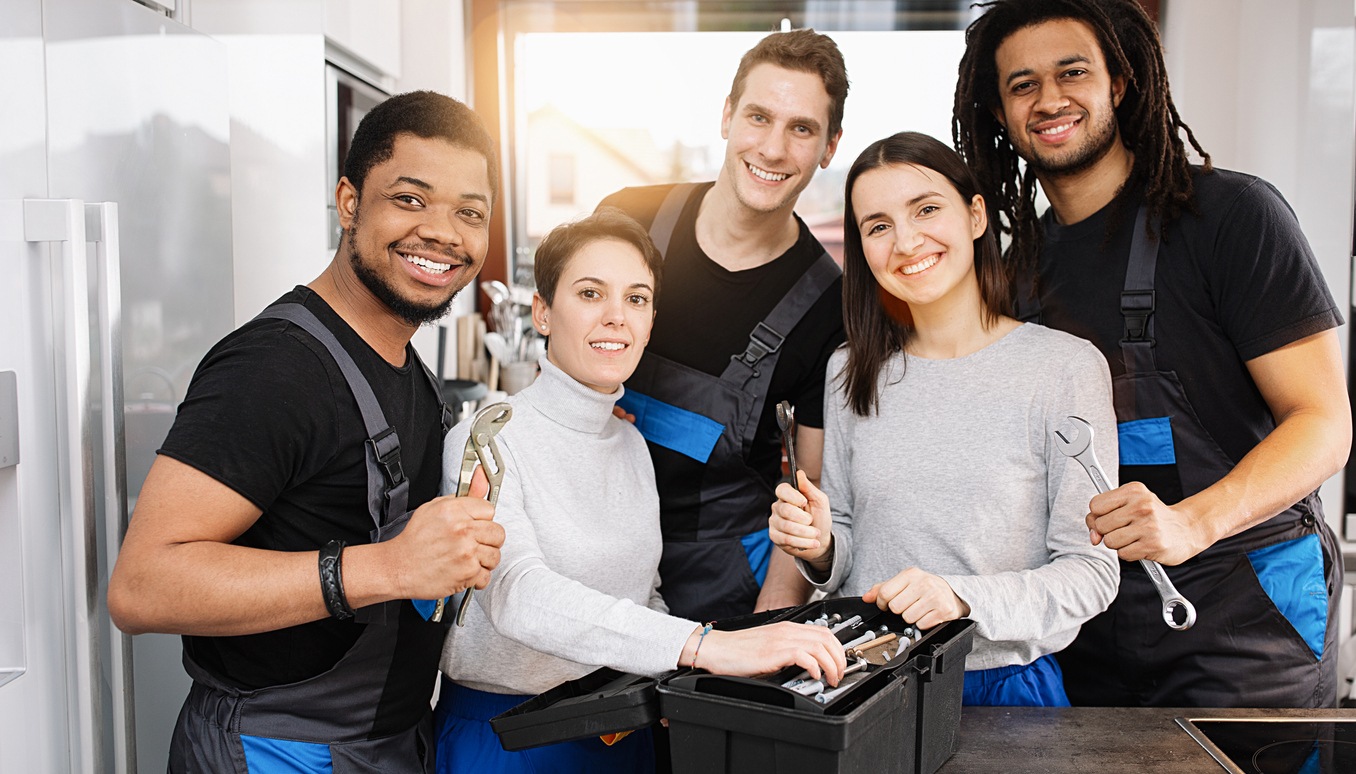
{"x":1074,"y":439}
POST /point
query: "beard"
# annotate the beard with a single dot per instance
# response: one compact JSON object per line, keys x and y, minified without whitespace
{"x":412,"y":312}
{"x":1100,"y":141}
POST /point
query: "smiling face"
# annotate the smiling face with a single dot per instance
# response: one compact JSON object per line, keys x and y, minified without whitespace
{"x":1058,"y":97}
{"x":600,"y":317}
{"x":776,"y":137}
{"x":420,"y":229}
{"x":918,"y":235}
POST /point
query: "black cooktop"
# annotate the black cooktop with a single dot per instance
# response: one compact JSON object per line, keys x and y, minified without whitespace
{"x":1279,"y":745}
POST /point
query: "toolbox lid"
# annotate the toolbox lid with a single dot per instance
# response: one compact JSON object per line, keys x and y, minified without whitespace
{"x":604,"y":701}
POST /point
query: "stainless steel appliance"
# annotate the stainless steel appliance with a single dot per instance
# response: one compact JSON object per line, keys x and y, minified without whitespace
{"x":115,"y":278}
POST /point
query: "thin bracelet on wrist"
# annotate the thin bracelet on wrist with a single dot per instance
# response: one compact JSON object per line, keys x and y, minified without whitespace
{"x":706,"y":629}
{"x":332,"y":580}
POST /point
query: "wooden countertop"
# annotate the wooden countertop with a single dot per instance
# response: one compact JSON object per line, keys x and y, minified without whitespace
{"x":1091,"y":739}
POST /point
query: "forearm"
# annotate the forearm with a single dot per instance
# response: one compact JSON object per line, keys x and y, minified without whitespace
{"x":1302,"y":452}
{"x":784,"y":585}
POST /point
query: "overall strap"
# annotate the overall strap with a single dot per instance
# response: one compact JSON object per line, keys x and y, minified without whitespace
{"x":767,"y":336}
{"x":1137,"y":298}
{"x":388,"y":490}
{"x":666,"y":218}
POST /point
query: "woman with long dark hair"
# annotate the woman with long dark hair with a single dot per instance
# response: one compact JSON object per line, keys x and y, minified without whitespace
{"x":944,"y":495}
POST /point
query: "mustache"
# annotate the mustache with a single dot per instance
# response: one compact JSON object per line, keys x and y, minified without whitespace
{"x":455,"y":255}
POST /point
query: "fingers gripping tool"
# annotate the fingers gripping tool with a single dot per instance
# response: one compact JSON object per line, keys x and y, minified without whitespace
{"x":481,"y":449}
{"x":1074,"y":439}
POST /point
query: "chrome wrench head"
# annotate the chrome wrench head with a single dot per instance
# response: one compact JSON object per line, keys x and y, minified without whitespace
{"x":786,"y":420}
{"x":481,"y":449}
{"x":1074,"y":439}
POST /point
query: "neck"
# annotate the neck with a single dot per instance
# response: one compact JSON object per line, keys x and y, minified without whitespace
{"x":1076,"y":196}
{"x":951,"y":328}
{"x":738,"y":238}
{"x":371,"y":319}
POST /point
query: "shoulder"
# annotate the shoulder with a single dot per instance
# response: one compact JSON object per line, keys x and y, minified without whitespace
{"x":1237,"y":196}
{"x":640,"y":202}
{"x":1054,"y":350}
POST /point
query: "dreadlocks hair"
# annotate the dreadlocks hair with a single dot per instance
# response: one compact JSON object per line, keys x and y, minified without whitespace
{"x":1147,"y":119}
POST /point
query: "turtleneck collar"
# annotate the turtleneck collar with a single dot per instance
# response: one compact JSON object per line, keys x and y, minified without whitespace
{"x":562,"y":399}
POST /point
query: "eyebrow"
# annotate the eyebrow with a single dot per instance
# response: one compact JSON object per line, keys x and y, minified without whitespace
{"x":806,"y":120}
{"x":920,"y":197}
{"x":423,"y":185}
{"x":1065,"y":62}
{"x":600,"y":281}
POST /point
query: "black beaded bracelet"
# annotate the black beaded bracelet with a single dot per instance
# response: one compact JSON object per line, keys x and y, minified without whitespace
{"x":332,"y":580}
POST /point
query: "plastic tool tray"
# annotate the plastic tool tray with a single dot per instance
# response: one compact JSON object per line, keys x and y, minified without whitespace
{"x":898,"y":716}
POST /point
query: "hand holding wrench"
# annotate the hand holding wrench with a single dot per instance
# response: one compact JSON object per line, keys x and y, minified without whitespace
{"x":480,"y":449}
{"x":1074,"y":439}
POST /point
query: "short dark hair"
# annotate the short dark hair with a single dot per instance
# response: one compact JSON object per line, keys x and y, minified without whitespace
{"x":426,"y":114}
{"x":563,"y":241}
{"x":1146,"y":117}
{"x":804,"y":51}
{"x":873,"y":334}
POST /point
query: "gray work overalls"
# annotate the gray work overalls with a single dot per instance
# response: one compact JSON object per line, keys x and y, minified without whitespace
{"x":714,"y":421}
{"x":1245,"y":649}
{"x":322,"y":724}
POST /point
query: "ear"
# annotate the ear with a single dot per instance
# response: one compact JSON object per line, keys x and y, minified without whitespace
{"x":726,"y":115}
{"x":1117,"y":90}
{"x":346,"y":199}
{"x":539,"y":309}
{"x":831,"y":149}
{"x":979,"y":216}
{"x":999,"y":115}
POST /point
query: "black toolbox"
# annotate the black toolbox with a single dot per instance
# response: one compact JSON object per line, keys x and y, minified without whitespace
{"x":900,"y":717}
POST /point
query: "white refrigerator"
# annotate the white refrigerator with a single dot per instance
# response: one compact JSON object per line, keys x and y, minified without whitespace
{"x":115,"y":279}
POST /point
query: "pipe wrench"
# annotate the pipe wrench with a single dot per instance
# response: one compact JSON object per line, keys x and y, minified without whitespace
{"x":1074,"y":439}
{"x":481,"y":449}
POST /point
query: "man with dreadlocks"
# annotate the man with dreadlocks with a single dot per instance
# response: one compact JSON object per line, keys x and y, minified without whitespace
{"x":1202,"y":293}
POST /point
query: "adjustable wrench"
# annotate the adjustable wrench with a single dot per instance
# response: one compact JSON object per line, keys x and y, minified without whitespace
{"x":1074,"y":439}
{"x":480,"y":449}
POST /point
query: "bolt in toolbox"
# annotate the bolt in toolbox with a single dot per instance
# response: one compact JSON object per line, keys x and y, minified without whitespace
{"x":898,"y":714}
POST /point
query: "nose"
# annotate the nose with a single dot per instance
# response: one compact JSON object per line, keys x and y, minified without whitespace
{"x":1052,"y":99}
{"x":440,"y":227}
{"x":907,"y":240}
{"x":614,"y":311}
{"x":773,"y":146}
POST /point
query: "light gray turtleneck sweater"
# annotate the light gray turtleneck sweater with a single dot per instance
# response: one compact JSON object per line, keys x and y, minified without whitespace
{"x":577,"y":583}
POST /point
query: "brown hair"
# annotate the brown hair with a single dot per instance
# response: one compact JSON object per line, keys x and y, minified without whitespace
{"x":1147,"y":118}
{"x":804,"y":51}
{"x":563,"y":241}
{"x":874,"y":335}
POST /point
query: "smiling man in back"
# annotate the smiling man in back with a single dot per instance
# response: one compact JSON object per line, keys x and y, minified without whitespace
{"x":752,"y":311}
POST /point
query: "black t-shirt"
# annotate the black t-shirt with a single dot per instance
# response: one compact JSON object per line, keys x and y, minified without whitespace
{"x":705,"y":314}
{"x":269,"y":415}
{"x":1234,"y":281}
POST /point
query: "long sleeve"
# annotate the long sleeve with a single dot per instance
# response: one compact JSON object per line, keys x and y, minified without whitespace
{"x":1080,"y":579}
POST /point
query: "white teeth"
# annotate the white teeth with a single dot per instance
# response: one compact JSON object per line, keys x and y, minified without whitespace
{"x":1056,"y":129}
{"x":610,"y":346}
{"x":766,"y":175}
{"x":926,"y":263}
{"x":432,"y":267}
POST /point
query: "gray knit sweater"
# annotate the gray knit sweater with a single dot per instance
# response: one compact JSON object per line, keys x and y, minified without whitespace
{"x":958,"y":475}
{"x":577,"y":583}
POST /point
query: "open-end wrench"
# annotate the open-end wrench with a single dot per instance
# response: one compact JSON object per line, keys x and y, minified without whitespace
{"x":786,"y":420}
{"x":481,"y":450}
{"x":1074,"y":439}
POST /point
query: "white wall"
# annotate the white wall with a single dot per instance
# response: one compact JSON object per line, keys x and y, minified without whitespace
{"x":1268,"y":89}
